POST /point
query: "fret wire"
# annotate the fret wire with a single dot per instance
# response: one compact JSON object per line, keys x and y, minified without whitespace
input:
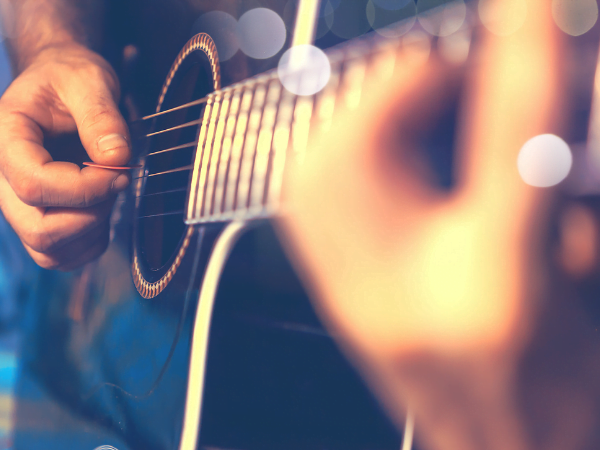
{"x":177,"y":108}
{"x":236,"y":151}
{"x":207,"y":155}
{"x":271,"y":155}
{"x":219,"y":138}
{"x":178,"y":127}
{"x":249,"y":152}
{"x":301,"y":126}
{"x":281,"y":144}
{"x":179,"y":147}
{"x":263,"y":147}
{"x":326,"y":99}
{"x":179,"y":169}
{"x":163,"y":214}
{"x":355,"y":68}
{"x":226,"y":152}
{"x":384,"y":59}
{"x":170,"y":191}
{"x":198,"y":158}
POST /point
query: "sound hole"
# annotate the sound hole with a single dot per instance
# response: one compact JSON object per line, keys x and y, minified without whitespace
{"x":170,"y":155}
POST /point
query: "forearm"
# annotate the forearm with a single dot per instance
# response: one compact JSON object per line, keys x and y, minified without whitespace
{"x":41,"y":24}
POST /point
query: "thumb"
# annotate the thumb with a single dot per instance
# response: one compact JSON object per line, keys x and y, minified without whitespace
{"x":102,"y":129}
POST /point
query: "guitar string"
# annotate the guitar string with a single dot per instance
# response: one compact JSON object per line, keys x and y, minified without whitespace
{"x":237,"y":96}
{"x":240,"y":157}
{"x":178,"y":127}
{"x":264,"y":78}
{"x":173,"y":213}
{"x":271,"y":155}
{"x":220,"y":156}
{"x":166,"y":172}
{"x":178,"y":147}
{"x":189,"y":167}
{"x":205,"y":99}
{"x":176,"y":108}
{"x":163,"y":192}
{"x":234,"y":90}
{"x":254,"y":151}
{"x":210,"y":142}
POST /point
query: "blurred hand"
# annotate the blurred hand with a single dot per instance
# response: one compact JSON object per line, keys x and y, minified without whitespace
{"x":60,"y":211}
{"x":440,"y":298}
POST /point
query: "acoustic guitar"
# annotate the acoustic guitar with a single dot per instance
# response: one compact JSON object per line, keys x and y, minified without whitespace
{"x":184,"y":334}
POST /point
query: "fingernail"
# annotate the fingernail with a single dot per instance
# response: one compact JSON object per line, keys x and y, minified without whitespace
{"x":112,"y":142}
{"x":120,"y":183}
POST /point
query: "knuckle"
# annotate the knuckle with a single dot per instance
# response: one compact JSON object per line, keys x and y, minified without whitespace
{"x":28,"y":190}
{"x":39,"y":240}
{"x":46,"y":262}
{"x":86,"y":198}
{"x":99,"y":112}
{"x":92,"y":72}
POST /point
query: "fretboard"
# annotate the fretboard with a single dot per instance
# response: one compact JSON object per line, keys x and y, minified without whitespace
{"x":250,"y":130}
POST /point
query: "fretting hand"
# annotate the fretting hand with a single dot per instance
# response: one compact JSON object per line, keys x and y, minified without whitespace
{"x":443,"y":300}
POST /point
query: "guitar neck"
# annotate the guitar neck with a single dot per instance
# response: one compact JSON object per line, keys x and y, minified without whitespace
{"x":251,"y":129}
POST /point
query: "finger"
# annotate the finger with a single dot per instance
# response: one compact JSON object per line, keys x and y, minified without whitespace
{"x":76,"y":253}
{"x":47,"y":230}
{"x":102,"y":129}
{"x":515,"y":96}
{"x":39,"y":181}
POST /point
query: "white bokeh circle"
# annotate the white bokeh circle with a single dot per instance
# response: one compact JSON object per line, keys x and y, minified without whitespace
{"x":261,"y":33}
{"x":304,"y":70}
{"x":544,"y":161}
{"x":575,"y":17}
{"x":392,"y":5}
{"x":391,"y":23}
{"x":222,"y":28}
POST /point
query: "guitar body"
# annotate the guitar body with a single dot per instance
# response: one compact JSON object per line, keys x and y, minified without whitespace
{"x":188,"y":327}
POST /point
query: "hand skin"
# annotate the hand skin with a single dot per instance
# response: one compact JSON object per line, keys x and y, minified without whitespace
{"x":59,"y":211}
{"x":449,"y":302}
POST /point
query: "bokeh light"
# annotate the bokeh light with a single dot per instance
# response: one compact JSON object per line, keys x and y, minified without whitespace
{"x":575,"y":17}
{"x":440,"y":17}
{"x":325,"y":19}
{"x":392,"y":22}
{"x":304,"y":70}
{"x":350,"y":19}
{"x":393,"y":5}
{"x":544,"y":161}
{"x":222,"y":27}
{"x":328,"y":6}
{"x":502,"y":17}
{"x":261,"y":33}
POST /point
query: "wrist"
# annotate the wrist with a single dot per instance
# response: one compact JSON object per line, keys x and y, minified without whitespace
{"x":52,"y":23}
{"x":62,"y":45}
